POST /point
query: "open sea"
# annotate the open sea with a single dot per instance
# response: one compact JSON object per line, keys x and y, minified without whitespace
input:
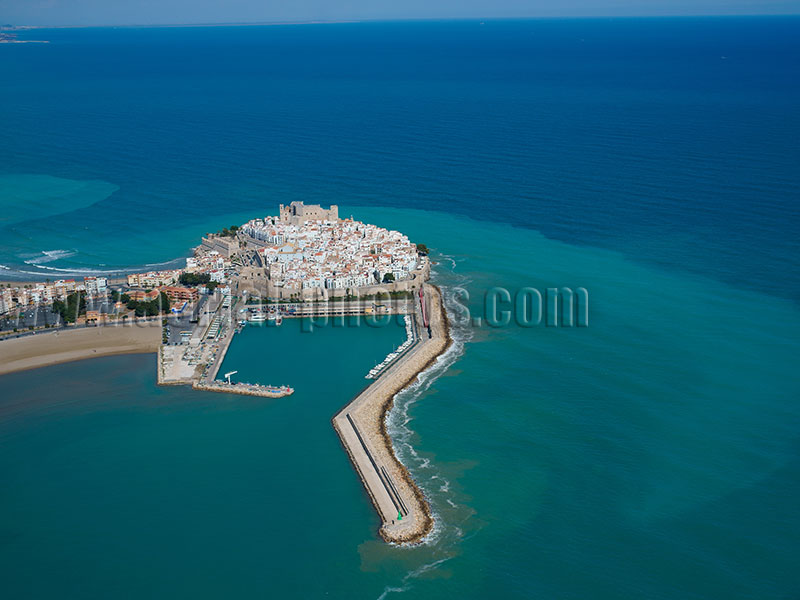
{"x":653,"y":454}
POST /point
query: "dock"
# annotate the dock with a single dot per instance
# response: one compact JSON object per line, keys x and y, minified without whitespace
{"x":401,"y":505}
{"x":355,"y":308}
{"x":198,"y":363}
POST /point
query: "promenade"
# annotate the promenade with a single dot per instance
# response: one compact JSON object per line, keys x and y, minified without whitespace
{"x":404,"y":511}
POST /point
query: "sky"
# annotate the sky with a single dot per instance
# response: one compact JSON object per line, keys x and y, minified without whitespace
{"x":151,"y":12}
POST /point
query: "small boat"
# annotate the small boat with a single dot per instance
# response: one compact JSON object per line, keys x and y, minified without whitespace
{"x":274,"y":319}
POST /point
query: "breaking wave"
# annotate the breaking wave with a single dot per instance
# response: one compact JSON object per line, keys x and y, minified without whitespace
{"x":74,"y":270}
{"x":412,"y":575}
{"x":172,"y":262}
{"x":431,"y":480}
{"x":49,"y":256}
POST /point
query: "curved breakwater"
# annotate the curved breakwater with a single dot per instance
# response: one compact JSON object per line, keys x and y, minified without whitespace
{"x":361,"y":426}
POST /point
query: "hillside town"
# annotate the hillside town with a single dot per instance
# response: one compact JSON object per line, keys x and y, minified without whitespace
{"x":325,"y":252}
{"x":304,"y":253}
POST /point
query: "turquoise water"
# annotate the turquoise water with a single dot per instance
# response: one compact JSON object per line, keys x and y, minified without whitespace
{"x":25,"y":196}
{"x":314,"y":354}
{"x":653,"y":454}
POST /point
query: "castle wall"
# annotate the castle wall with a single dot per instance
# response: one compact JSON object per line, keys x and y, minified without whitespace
{"x":298,"y":213}
{"x":255,"y":281}
{"x":225,"y":246}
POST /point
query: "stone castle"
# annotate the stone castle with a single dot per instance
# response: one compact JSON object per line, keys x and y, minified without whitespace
{"x":298,"y":213}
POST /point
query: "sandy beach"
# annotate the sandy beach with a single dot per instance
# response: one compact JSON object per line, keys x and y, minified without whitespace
{"x":50,"y":348}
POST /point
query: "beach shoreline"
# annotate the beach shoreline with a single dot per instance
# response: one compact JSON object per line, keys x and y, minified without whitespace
{"x":67,"y":345}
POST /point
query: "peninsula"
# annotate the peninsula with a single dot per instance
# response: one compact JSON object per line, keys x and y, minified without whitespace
{"x":303,"y":262}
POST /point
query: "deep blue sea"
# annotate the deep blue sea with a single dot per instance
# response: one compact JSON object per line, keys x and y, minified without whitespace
{"x":653,"y":454}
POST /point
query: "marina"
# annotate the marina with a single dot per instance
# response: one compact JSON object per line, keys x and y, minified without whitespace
{"x":198,"y":362}
{"x":257,"y":315}
{"x":261,"y":355}
{"x":403,"y":510}
{"x":411,"y":339}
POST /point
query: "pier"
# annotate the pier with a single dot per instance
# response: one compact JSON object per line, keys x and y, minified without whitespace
{"x":198,"y":363}
{"x":361,"y":426}
{"x":403,"y":349}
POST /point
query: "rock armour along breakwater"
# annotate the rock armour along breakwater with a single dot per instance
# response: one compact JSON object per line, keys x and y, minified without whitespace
{"x":244,"y":389}
{"x":361,"y":426}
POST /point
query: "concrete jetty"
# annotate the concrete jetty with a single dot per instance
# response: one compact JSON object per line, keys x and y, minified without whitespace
{"x":361,"y":426}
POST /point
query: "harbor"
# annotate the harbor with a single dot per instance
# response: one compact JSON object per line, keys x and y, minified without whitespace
{"x":404,"y":511}
{"x":197,"y":363}
{"x":198,"y":359}
{"x":402,"y":507}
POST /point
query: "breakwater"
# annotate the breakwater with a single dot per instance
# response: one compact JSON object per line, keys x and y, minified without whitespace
{"x":245,"y":389}
{"x":361,"y":426}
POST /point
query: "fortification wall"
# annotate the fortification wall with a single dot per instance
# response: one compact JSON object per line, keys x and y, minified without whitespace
{"x":255,"y":281}
{"x":225,"y":246}
{"x":298,"y":212}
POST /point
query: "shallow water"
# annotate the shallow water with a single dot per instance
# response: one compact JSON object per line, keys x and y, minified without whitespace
{"x":653,"y":452}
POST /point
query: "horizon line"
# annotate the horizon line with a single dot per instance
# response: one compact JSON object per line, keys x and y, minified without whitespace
{"x":482,"y":20}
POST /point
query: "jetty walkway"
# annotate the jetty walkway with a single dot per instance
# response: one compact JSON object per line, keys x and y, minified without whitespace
{"x":361,"y":426}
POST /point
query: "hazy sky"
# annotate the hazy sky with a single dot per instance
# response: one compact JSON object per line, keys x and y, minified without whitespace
{"x":100,"y":12}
